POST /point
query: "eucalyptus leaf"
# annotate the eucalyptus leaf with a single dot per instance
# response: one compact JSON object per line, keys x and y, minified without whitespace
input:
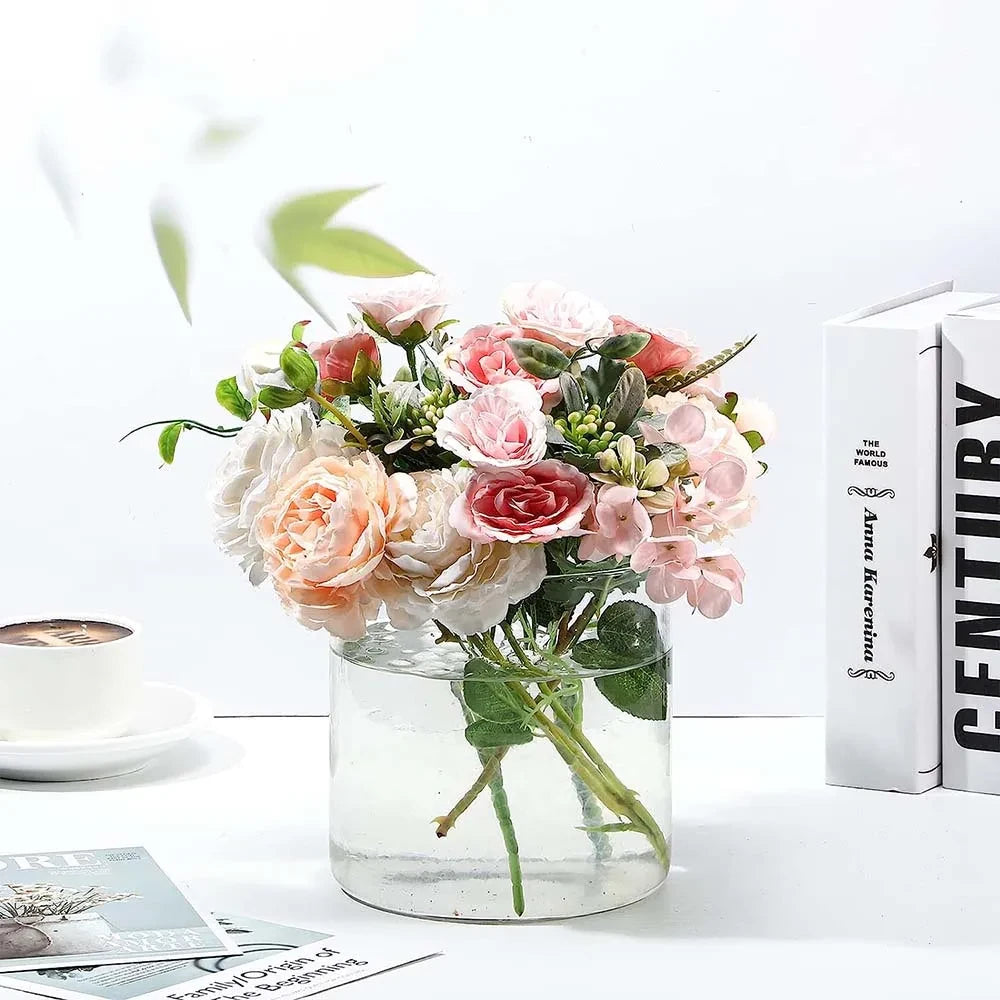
{"x":488,"y":696}
{"x":171,"y":245}
{"x":486,"y":735}
{"x":539,"y":359}
{"x":274,"y":397}
{"x":626,"y":400}
{"x":167,"y":442}
{"x":624,"y":346}
{"x":229,"y":397}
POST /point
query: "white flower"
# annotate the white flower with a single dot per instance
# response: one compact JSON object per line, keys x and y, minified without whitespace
{"x":550,"y":312}
{"x":401,"y":302}
{"x":261,"y":366}
{"x":430,"y":571}
{"x":756,"y":415}
{"x":498,"y":427}
{"x":262,"y":455}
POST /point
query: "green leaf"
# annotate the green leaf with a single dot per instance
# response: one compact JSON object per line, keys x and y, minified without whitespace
{"x":230,"y":398}
{"x":171,"y":245}
{"x":594,"y":654}
{"x":754,"y":439}
{"x":673,"y":383}
{"x":601,"y":381}
{"x":486,"y":735}
{"x":624,"y":346}
{"x":299,"y":368}
{"x":728,"y":408}
{"x":629,"y":629}
{"x":349,"y":251}
{"x":572,"y":394}
{"x":431,"y":378}
{"x":299,"y":329}
{"x":274,"y":397}
{"x":626,"y":400}
{"x":487,"y":695}
{"x":640,"y":692}
{"x":364,"y":371}
{"x":167,"y":442}
{"x":539,"y":359}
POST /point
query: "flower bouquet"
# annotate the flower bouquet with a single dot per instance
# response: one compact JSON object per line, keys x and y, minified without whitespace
{"x":510,"y":514}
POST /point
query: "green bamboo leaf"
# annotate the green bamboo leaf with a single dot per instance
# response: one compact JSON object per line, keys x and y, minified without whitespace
{"x":171,"y":245}
{"x":351,"y":251}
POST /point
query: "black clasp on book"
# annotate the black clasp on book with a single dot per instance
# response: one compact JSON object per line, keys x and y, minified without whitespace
{"x":932,"y":552}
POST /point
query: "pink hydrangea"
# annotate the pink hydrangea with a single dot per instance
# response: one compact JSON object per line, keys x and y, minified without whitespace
{"x":619,"y":524}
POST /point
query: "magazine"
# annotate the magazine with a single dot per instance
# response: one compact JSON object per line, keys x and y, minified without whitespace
{"x":65,"y":909}
{"x":283,"y":963}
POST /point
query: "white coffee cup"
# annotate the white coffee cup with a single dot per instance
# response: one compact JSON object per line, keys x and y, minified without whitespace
{"x":64,"y":679}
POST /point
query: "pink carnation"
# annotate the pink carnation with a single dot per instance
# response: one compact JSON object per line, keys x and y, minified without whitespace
{"x":482,"y":356}
{"x":665,"y":351}
{"x":547,"y":501}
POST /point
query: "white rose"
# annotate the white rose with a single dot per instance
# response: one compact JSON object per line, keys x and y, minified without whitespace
{"x":756,"y":415}
{"x":563,"y":318}
{"x":261,"y":456}
{"x":261,"y":366}
{"x":431,"y":571}
{"x":498,"y":427}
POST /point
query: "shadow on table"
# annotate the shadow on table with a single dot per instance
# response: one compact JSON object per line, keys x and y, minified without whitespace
{"x":202,"y":755}
{"x":830,"y":864}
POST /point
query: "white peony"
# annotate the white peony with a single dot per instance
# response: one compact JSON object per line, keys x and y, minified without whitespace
{"x":262,"y":456}
{"x":431,"y":571}
{"x":551,"y":313}
{"x":261,"y":366}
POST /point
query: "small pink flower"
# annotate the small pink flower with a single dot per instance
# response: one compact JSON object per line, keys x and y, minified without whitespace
{"x":336,"y":358}
{"x":547,"y":311}
{"x":721,"y":583}
{"x":482,"y":357}
{"x":499,"y":427}
{"x":665,"y":351}
{"x":620,"y":524}
{"x":549,"y":500}
{"x":398,"y":303}
{"x":710,"y":583}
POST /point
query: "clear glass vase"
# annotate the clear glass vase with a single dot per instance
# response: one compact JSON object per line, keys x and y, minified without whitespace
{"x":519,"y":774}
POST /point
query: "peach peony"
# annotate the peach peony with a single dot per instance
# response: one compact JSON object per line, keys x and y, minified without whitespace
{"x":324,"y":534}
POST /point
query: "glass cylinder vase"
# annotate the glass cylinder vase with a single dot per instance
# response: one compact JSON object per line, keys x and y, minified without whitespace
{"x":522,"y":773}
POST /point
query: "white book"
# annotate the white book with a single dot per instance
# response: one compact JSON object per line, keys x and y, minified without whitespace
{"x":970,"y":549}
{"x":881,"y":375}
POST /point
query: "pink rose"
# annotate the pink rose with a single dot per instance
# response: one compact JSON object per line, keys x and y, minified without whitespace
{"x":324,"y":534}
{"x":336,"y":358}
{"x":482,"y":357}
{"x":398,"y":303}
{"x":547,"y":311}
{"x":499,"y":427}
{"x":620,"y":524}
{"x":662,"y":354}
{"x":547,"y":501}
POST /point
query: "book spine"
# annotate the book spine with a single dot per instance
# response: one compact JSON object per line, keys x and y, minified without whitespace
{"x":882,"y":645}
{"x":970,"y":554}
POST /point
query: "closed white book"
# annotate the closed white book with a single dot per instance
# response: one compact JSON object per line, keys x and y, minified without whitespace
{"x":881,"y":373}
{"x":970,"y":549}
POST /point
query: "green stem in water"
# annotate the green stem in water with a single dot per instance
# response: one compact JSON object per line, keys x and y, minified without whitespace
{"x":501,"y":809}
{"x":490,"y":769}
{"x":342,"y":418}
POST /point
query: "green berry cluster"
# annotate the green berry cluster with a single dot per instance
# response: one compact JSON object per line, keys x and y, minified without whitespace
{"x":421,"y":419}
{"x":586,"y":431}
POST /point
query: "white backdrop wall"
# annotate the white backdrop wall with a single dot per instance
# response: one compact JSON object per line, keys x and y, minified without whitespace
{"x":722,"y":167}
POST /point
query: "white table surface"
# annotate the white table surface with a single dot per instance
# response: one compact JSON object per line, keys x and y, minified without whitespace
{"x":781,"y":886}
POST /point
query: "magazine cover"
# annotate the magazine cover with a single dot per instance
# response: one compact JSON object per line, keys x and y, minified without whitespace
{"x":278,"y":962}
{"x":103,"y":907}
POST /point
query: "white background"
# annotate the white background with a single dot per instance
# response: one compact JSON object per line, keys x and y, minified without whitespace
{"x":722,"y":167}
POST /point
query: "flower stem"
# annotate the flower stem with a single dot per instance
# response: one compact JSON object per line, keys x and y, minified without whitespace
{"x":339,"y":415}
{"x":411,"y":360}
{"x":488,"y":773}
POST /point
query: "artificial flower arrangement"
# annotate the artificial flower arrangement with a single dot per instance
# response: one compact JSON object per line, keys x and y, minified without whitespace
{"x":497,"y":490}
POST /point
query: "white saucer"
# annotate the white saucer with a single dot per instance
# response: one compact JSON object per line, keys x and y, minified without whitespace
{"x":167,"y":716}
